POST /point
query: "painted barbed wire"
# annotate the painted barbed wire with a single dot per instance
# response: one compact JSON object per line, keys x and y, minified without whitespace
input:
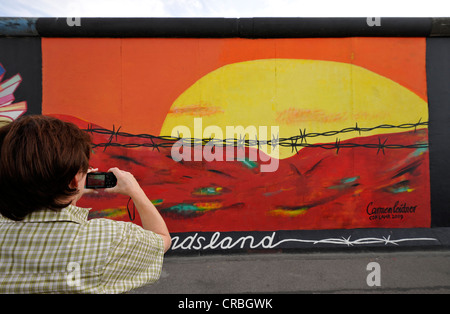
{"x":362,"y":241}
{"x":295,"y":142}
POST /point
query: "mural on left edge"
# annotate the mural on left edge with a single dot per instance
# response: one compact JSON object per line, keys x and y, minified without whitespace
{"x":10,"y":111}
{"x":352,"y":119}
{"x":20,"y":78}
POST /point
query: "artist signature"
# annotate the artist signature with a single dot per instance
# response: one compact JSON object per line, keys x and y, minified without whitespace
{"x":395,"y":211}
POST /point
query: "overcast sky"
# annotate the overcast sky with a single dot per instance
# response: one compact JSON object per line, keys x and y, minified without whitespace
{"x":223,"y":8}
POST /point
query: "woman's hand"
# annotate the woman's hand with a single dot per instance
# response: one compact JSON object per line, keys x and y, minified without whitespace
{"x":126,"y":183}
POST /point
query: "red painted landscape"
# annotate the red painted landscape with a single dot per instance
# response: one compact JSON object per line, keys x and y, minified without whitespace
{"x":317,"y":188}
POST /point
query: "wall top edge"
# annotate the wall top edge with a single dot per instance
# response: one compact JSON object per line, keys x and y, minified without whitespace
{"x":225,"y":27}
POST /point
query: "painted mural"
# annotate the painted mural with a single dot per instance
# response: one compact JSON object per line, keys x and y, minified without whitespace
{"x":10,"y":110}
{"x":252,"y":135}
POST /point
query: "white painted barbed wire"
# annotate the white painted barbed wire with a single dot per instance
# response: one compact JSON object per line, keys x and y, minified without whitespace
{"x":362,"y":241}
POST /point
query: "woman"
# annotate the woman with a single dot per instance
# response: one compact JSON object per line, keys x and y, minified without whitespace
{"x":47,"y":245}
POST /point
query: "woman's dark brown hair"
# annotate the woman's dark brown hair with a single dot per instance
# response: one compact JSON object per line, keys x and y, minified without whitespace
{"x":39,"y":157}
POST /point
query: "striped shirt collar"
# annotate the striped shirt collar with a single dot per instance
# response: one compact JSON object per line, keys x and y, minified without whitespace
{"x":71,"y":213}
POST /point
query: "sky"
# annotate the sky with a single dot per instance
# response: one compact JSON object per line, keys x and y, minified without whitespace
{"x":224,"y":8}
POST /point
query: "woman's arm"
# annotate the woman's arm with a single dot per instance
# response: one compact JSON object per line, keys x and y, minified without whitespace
{"x":150,"y":217}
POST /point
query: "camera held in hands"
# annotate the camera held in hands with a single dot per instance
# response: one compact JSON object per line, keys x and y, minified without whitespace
{"x":100,"y":180}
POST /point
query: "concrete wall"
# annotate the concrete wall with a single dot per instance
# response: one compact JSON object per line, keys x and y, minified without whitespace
{"x":251,"y":134}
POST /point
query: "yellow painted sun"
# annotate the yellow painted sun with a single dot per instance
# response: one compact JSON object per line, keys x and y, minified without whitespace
{"x":312,"y":95}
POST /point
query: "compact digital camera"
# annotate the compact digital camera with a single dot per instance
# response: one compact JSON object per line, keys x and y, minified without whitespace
{"x":100,"y":180}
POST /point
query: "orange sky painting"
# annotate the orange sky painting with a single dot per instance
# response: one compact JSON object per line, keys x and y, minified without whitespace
{"x":132,"y":83}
